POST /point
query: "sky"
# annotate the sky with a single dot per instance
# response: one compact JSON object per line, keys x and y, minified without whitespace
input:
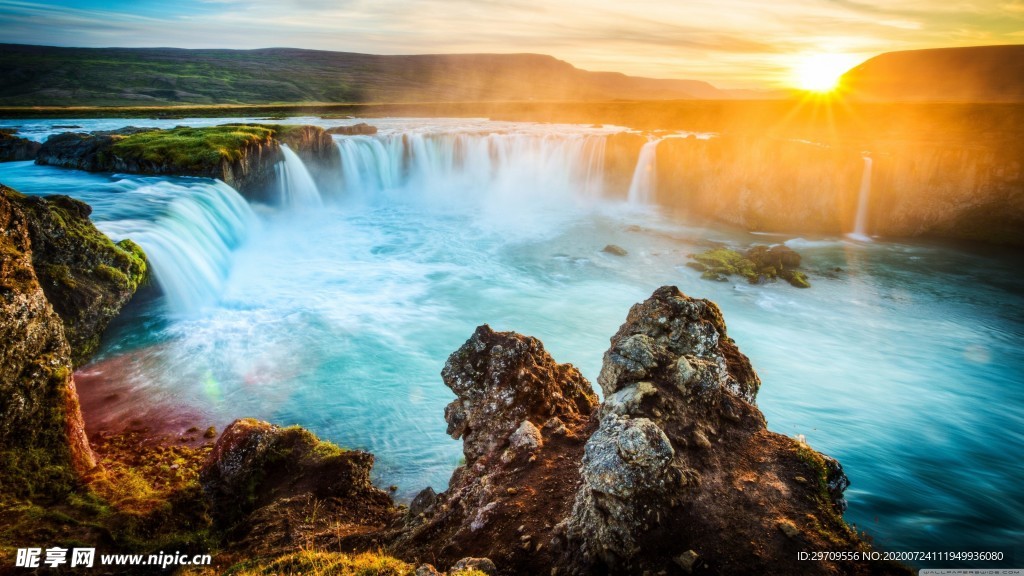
{"x":730,"y":43}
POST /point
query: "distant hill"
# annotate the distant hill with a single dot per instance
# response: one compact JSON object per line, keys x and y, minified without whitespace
{"x":51,"y":76}
{"x":976,"y":74}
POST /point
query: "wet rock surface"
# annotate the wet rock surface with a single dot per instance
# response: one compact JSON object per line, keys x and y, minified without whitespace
{"x":16,"y":149}
{"x":758,"y":264}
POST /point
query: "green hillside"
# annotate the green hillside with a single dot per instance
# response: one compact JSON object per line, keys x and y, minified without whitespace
{"x":50,"y":76}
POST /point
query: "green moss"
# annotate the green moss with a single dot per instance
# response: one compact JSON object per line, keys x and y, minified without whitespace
{"x":797,"y":278}
{"x":36,"y":473}
{"x":133,"y":261}
{"x":112,"y":274}
{"x":61,"y":274}
{"x":87,"y":278}
{"x":320,"y":563}
{"x":757,"y":264}
{"x":726,"y":262}
{"x":192,"y":149}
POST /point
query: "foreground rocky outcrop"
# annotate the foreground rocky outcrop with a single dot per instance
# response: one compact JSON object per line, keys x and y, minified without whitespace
{"x":15,"y":149}
{"x":85,"y":276}
{"x":675,"y":473}
{"x":682,"y":474}
{"x":523,"y":420}
{"x":243,"y":156}
{"x":42,"y":436}
{"x":274,"y":489}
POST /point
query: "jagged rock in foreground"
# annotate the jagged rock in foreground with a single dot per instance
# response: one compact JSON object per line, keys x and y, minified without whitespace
{"x":523,"y":419}
{"x":675,"y":473}
{"x":42,"y":436}
{"x":87,"y":278}
{"x":274,"y":489}
{"x":682,"y":474}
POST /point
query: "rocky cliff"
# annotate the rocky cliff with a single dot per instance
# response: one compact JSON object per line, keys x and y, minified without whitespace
{"x":960,"y":190}
{"x":42,"y":436}
{"x":243,"y":156}
{"x":85,"y":276}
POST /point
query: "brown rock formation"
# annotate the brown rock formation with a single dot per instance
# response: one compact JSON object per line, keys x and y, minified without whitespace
{"x":682,"y":474}
{"x":42,"y":437}
{"x":273,"y":489}
{"x":675,"y":473}
{"x":523,"y":419}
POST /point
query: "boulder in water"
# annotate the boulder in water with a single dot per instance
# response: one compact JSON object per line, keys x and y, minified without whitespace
{"x":16,"y":149}
{"x":757,"y":264}
{"x":614,"y":250}
{"x":361,"y":128}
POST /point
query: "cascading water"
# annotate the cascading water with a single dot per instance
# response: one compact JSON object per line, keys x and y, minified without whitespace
{"x":860,"y":226}
{"x":517,"y":183}
{"x":641,"y":189}
{"x":189,"y":244}
{"x":298,"y":189}
{"x":568,"y":164}
{"x":368,"y":165}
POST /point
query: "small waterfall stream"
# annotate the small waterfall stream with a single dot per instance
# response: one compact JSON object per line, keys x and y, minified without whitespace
{"x":298,"y":189}
{"x":641,"y":189}
{"x":189,"y":242}
{"x":860,"y":226}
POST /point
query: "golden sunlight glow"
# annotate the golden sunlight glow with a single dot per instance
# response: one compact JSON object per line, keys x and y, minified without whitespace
{"x":821,"y":72}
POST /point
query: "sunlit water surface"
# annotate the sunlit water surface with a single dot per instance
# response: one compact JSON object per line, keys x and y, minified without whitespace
{"x":905,"y":364}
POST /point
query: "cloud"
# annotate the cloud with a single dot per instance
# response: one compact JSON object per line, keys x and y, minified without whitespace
{"x":734,"y":43}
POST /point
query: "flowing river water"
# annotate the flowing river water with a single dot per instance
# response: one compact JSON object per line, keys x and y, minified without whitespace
{"x":337,"y":309}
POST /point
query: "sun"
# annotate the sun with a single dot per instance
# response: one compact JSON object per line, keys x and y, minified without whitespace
{"x":821,"y":72}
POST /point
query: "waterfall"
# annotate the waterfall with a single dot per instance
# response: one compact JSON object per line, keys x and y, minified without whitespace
{"x":860,"y":226}
{"x":298,"y":189}
{"x":641,"y":188}
{"x":367,"y":166}
{"x":532,"y":166}
{"x":189,"y":243}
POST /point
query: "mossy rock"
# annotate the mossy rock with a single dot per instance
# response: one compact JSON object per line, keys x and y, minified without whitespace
{"x":86,"y":277}
{"x":191,"y":150}
{"x":758,"y":264}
